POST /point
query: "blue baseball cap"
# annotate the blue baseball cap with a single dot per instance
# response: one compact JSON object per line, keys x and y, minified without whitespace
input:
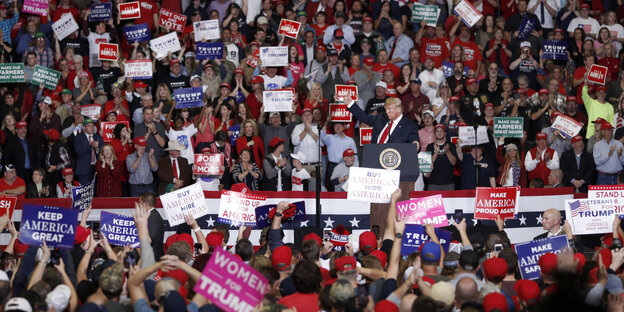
{"x":430,"y":251}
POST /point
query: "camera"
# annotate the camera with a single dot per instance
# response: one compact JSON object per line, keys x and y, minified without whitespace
{"x":55,"y":257}
{"x":131,"y":258}
{"x":459,"y":215}
{"x":498,"y":247}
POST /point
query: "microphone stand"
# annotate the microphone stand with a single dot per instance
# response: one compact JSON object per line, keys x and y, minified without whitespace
{"x":477,"y":163}
{"x":318,"y":179}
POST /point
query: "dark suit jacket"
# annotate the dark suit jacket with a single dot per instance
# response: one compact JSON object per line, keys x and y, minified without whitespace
{"x":405,"y":132}
{"x":577,"y":243}
{"x":83,"y":152}
{"x":156,"y":227}
{"x":587,"y":170}
{"x":14,"y":154}
{"x":165,"y":172}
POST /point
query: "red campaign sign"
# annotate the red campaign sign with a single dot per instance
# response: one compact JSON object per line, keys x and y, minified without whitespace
{"x":366,"y":135}
{"x":253,"y":61}
{"x":493,"y":201}
{"x":130,"y":10}
{"x":343,"y":91}
{"x":598,"y":74}
{"x":108,"y":51}
{"x":7,"y":203}
{"x":109,"y":126}
{"x":289,"y":28}
{"x":208,"y":165}
{"x":172,"y":20}
{"x":339,"y":113}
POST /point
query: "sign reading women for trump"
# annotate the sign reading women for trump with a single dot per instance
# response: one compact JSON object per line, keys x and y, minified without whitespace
{"x":530,"y":252}
{"x":188,"y":97}
{"x":164,"y":44}
{"x":372,"y":185}
{"x":239,"y":208}
{"x":119,"y":229}
{"x":207,"y":30}
{"x":209,"y":50}
{"x":591,"y":216}
{"x":230,"y":283}
{"x":425,"y":210}
{"x":294,"y":213}
{"x":138,"y":32}
{"x":416,"y":235}
{"x":64,"y":26}
{"x":139,"y":69}
{"x":567,"y":126}
{"x":278,"y":100}
{"x":274,"y":56}
{"x":54,"y":225}
{"x":491,"y":202}
{"x":82,"y":196}
{"x":38,"y":7}
{"x":189,"y":200}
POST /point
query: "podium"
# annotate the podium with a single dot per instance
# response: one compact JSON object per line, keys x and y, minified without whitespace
{"x":391,"y":156}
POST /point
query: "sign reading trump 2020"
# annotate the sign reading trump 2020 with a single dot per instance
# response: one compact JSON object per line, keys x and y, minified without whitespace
{"x":591,"y":216}
{"x":530,"y":252}
{"x":188,"y":200}
{"x":416,"y":235}
{"x":425,"y":210}
{"x":496,"y":201}
{"x":54,"y":225}
{"x":230,"y":283}
{"x":372,"y":185}
{"x":82,"y":196}
{"x":239,"y":208}
{"x":188,"y":97}
{"x":119,"y":229}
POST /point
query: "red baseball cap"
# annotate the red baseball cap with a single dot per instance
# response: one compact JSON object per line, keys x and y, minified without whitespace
{"x":369,"y":61}
{"x":313,"y":236}
{"x":471,"y":81}
{"x":257,"y":79}
{"x":548,"y":263}
{"x":571,"y":98}
{"x":543,"y":91}
{"x":81,"y":234}
{"x":339,"y":34}
{"x":173,"y":62}
{"x":489,"y":105}
{"x":21,"y":124}
{"x":577,"y":138}
{"x":67,"y":171}
{"x":606,"y":126}
{"x":281,"y":257}
{"x":521,"y":91}
{"x":140,"y":141}
{"x":584,"y":6}
{"x":601,"y":88}
{"x":205,"y":150}
{"x":528,"y":291}
{"x":345,"y":263}
{"x":351,"y":82}
{"x":440,"y":126}
{"x":383,"y":258}
{"x":140,"y":84}
{"x":454,"y":98}
{"x":367,"y":19}
{"x":225,"y":84}
{"x":554,"y":115}
{"x":494,"y":267}
{"x":53,"y":134}
{"x":208,"y":65}
{"x":215,"y":239}
{"x":599,"y":120}
{"x":559,"y":30}
{"x":495,"y":301}
{"x":275,"y":141}
{"x":348,"y":152}
{"x":368,"y":241}
{"x":541,"y":136}
{"x":239,"y":71}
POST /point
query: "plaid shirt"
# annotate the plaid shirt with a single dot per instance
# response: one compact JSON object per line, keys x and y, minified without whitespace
{"x":45,"y":58}
{"x":66,"y":161}
{"x":6,"y":26}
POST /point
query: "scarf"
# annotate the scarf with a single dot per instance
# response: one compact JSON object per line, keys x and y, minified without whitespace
{"x":515,"y":169}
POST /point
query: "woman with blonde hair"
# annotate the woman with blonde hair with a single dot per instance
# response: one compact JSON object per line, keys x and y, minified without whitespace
{"x":249,"y":139}
{"x":512,"y":171}
{"x":315,"y":100}
{"x":163,"y":98}
{"x":108,"y":173}
{"x":8,"y":126}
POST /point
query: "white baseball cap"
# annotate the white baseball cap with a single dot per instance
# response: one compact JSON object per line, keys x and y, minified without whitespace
{"x":17,"y":304}
{"x":298,"y":156}
{"x":382,"y":84}
{"x":59,"y":297}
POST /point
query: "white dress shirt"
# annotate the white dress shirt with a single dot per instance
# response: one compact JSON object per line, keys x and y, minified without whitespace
{"x":394,"y":125}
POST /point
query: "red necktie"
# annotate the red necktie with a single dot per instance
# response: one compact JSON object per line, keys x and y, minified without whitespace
{"x":384,"y":135}
{"x":93,"y":160}
{"x":393,"y":47}
{"x":175,"y":168}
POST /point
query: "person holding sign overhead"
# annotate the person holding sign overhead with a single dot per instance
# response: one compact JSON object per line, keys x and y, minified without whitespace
{"x":596,"y":108}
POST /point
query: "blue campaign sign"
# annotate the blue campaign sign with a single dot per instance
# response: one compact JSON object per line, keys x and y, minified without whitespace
{"x":526,"y":27}
{"x":209,"y":50}
{"x":138,"y":33}
{"x":54,"y":225}
{"x":188,"y":97}
{"x":447,"y":68}
{"x":555,"y":50}
{"x":294,"y":213}
{"x":82,"y":196}
{"x":101,"y":11}
{"x":119,"y":229}
{"x":415,"y":236}
{"x":530,"y":252}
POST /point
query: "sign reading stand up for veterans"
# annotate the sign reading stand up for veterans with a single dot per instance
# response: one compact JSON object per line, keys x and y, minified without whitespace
{"x":46,"y":76}
{"x":416,"y":235}
{"x":188,"y":200}
{"x":567,"y":126}
{"x":12,"y":72}
{"x":54,"y":225}
{"x":188,"y":97}
{"x":469,"y":14}
{"x":598,"y":74}
{"x":425,"y":210}
{"x":422,"y":12}
{"x":208,"y":30}
{"x":230,"y":283}
{"x":530,"y":252}
{"x":289,"y":28}
{"x":129,"y":10}
{"x":82,"y":196}
{"x":372,"y":185}
{"x":139,"y":69}
{"x":278,"y":100}
{"x":491,"y":202}
{"x":119,"y":229}
{"x":509,"y":127}
{"x":164,"y":44}
{"x":37,"y":7}
{"x":238,"y":208}
{"x":274,"y":56}
{"x":65,"y":26}
{"x":591,"y":216}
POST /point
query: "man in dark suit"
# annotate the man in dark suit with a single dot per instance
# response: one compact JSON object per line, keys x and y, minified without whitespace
{"x":579,"y":169}
{"x":555,"y":178}
{"x":22,"y":152}
{"x":87,"y":145}
{"x":390,"y":127}
{"x":155,"y":224}
{"x":173,"y":170}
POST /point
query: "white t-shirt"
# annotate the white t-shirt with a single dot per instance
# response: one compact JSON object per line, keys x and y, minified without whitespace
{"x":276,"y":82}
{"x":437,"y":102}
{"x":232,"y":53}
{"x":548,"y":19}
{"x":589,"y":25}
{"x":617,"y":31}
{"x":297,"y":178}
{"x":94,"y":41}
{"x":184,"y":137}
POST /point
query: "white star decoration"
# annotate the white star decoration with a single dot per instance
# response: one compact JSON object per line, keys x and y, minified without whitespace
{"x":210,"y":222}
{"x":475,"y":222}
{"x":522,"y":220}
{"x":539,"y":219}
{"x":355,"y":222}
{"x":329,"y":222}
{"x":451,"y":221}
{"x":304,"y":223}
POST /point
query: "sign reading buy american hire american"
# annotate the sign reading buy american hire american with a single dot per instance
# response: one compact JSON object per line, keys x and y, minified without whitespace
{"x":372,"y":185}
{"x":189,"y":200}
{"x":496,"y":201}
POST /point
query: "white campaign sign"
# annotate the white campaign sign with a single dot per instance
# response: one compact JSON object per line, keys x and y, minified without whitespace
{"x":274,"y":56}
{"x":467,"y":135}
{"x":372,"y":185}
{"x":591,"y":216}
{"x":189,"y":200}
{"x":164,"y":44}
{"x":468,"y":13}
{"x":140,"y":69}
{"x":277,"y":101}
{"x":64,"y":26}
{"x":208,"y":30}
{"x":567,"y":126}
{"x":239,"y":208}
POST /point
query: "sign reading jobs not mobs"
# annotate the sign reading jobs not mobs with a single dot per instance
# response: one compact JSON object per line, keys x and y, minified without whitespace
{"x":239,"y":208}
{"x":119,"y":229}
{"x":65,"y":26}
{"x":591,"y":216}
{"x":372,"y":185}
{"x":54,"y":225}
{"x":425,"y":210}
{"x":530,"y":252}
{"x":230,"y":283}
{"x":189,"y":200}
{"x":278,"y":100}
{"x":274,"y":56}
{"x":208,"y":164}
{"x":207,"y":30}
{"x":491,"y":202}
{"x":567,"y":126}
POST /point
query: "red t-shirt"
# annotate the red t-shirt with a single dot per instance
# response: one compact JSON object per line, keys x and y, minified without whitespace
{"x":110,"y":105}
{"x":613,"y":64}
{"x":472,"y":54}
{"x":303,"y":302}
{"x":148,"y":9}
{"x":381,"y":68}
{"x":579,"y":73}
{"x":17,"y":183}
{"x":435,"y":48}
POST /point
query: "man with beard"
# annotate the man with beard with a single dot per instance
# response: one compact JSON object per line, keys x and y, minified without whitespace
{"x":431,"y":79}
{"x":320,"y":59}
{"x":541,"y":111}
{"x":491,"y":85}
{"x":457,"y":81}
{"x":333,"y":73}
{"x":472,"y":104}
{"x":233,"y":52}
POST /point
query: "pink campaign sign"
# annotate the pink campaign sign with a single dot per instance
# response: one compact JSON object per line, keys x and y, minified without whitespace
{"x":230,"y":283}
{"x":425,"y":210}
{"x":39,"y":7}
